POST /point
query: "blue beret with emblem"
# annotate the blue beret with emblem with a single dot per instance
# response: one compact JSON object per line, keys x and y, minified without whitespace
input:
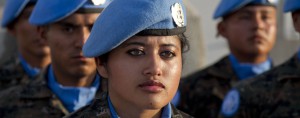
{"x":229,"y":6}
{"x":291,"y":5}
{"x":50,"y":11}
{"x":13,"y":9}
{"x":123,"y":19}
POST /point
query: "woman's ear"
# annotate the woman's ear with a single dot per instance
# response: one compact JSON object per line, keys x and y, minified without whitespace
{"x":101,"y":67}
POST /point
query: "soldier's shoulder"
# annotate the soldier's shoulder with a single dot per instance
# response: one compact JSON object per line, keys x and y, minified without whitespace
{"x":176,"y":113}
{"x":268,"y":78}
{"x":11,"y":70}
{"x":184,"y":115}
{"x":10,"y":95}
{"x":209,"y":74}
{"x":31,"y":90}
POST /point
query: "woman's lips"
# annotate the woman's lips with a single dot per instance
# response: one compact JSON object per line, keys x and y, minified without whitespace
{"x":152,"y":86}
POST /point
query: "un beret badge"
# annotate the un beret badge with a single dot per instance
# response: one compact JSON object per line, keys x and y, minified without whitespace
{"x":177,"y":14}
{"x":98,"y":2}
{"x":273,"y":1}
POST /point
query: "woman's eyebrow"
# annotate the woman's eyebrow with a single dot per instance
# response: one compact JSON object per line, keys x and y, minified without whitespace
{"x":134,"y":43}
{"x":168,"y":45}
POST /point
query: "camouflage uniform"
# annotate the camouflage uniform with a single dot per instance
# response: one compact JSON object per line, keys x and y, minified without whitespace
{"x":99,"y":109}
{"x":34,"y":100}
{"x":13,"y":74}
{"x":202,"y":93}
{"x":274,"y":94}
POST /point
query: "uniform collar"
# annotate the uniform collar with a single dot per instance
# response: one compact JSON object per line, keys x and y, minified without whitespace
{"x":166,"y":113}
{"x":29,"y":70}
{"x":72,"y":97}
{"x":112,"y":109}
{"x":247,"y":70}
{"x":223,"y":69}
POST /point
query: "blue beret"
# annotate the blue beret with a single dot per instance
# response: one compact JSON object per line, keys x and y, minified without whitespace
{"x":12,"y":10}
{"x":291,"y":5}
{"x":123,"y":19}
{"x":228,"y":6}
{"x":50,"y":11}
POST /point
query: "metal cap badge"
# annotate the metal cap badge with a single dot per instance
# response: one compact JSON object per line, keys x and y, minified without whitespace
{"x":177,"y":14}
{"x":273,"y":1}
{"x":98,"y":2}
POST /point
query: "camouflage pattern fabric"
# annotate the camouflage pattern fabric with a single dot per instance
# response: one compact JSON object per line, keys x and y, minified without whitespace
{"x":34,"y":100}
{"x":12,"y":74}
{"x":274,"y":94}
{"x":99,"y":109}
{"x":202,"y":92}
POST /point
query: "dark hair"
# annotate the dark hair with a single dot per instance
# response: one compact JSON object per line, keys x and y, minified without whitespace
{"x":184,"y":42}
{"x":185,"y":47}
{"x":296,"y":11}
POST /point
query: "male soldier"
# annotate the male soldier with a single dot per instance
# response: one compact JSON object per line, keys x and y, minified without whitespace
{"x":33,"y":53}
{"x":249,"y":26}
{"x":70,"y":82}
{"x":274,"y":94}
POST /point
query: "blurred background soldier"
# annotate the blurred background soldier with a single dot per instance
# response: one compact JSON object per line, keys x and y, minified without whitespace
{"x":70,"y":82}
{"x":249,"y":26}
{"x":272,"y":94}
{"x":33,"y":53}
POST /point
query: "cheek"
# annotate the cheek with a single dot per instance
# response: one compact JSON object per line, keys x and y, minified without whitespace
{"x":235,"y":33}
{"x":272,"y":30}
{"x":273,"y":33}
{"x":172,"y":74}
{"x":121,"y":68}
{"x":58,"y":46}
{"x":122,"y":76}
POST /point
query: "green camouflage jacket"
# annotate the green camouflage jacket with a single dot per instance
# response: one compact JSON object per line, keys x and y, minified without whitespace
{"x":202,"y":92}
{"x":274,"y":94}
{"x":99,"y":109}
{"x":13,"y":74}
{"x":34,"y":100}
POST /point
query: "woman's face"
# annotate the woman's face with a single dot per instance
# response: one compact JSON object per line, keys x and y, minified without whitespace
{"x":143,"y":72}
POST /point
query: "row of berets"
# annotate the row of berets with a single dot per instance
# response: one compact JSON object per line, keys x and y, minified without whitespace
{"x":127,"y":61}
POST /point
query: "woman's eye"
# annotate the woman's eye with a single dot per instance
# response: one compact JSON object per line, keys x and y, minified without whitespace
{"x":136,"y":52}
{"x":167,"y":54}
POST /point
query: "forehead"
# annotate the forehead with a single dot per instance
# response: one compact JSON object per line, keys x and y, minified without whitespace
{"x":81,"y":18}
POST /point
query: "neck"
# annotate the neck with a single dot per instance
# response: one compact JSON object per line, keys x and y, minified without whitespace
{"x":127,"y":110}
{"x":73,"y":80}
{"x":131,"y":112}
{"x":36,"y":61}
{"x":253,"y":59}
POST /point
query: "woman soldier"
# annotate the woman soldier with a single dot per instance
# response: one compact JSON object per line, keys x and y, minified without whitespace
{"x":138,"y":46}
